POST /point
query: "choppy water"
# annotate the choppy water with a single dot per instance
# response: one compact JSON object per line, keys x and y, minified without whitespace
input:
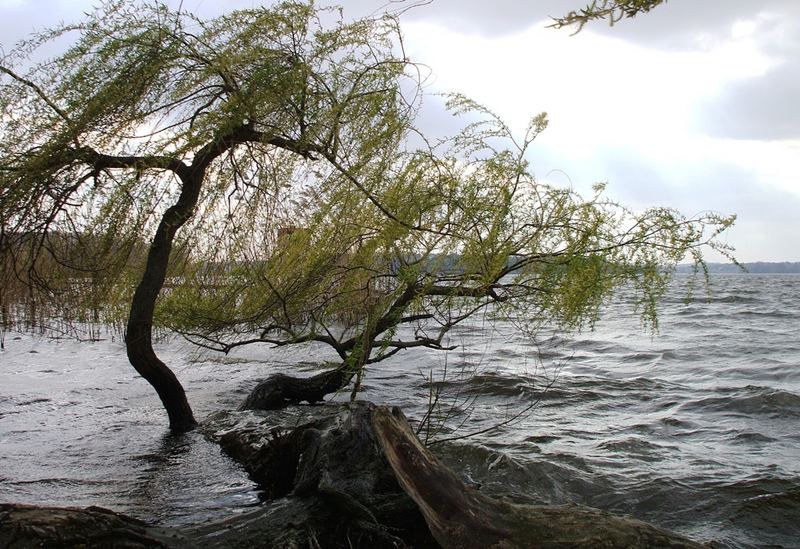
{"x":697,"y":429}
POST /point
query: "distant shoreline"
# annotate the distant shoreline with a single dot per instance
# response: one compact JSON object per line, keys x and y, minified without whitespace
{"x":757,"y":267}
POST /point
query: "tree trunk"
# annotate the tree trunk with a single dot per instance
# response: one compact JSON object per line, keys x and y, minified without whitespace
{"x":139,"y":332}
{"x":139,"y":343}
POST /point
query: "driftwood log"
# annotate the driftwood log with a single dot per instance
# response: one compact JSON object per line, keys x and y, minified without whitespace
{"x":459,"y":516}
{"x":351,"y":475}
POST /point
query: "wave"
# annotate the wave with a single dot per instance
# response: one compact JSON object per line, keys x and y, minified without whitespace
{"x":750,"y":400}
{"x":716,"y":298}
{"x":635,"y":448}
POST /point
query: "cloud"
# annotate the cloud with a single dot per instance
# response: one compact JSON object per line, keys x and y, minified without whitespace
{"x":764,"y":107}
{"x":676,"y":24}
{"x":766,"y":227}
{"x":692,"y":105}
{"x":469,"y":16}
{"x":683,"y":25}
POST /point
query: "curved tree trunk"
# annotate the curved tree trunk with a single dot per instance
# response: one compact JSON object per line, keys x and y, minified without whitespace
{"x":281,"y":390}
{"x":139,"y":332}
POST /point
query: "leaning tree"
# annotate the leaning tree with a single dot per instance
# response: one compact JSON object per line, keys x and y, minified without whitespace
{"x":268,"y":162}
{"x":154,"y":119}
{"x":420,"y":240}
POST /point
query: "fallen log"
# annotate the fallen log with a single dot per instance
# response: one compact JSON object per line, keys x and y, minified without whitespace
{"x":461,"y":517}
{"x":281,"y":390}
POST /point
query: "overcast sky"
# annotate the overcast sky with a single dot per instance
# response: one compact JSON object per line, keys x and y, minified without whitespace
{"x":695,"y":105}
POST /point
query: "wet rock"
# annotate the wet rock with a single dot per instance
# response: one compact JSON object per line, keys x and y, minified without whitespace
{"x":24,"y":526}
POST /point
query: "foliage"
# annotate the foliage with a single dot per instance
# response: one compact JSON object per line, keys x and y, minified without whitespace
{"x":99,"y":142}
{"x":448,"y":232}
{"x":612,"y":10}
{"x":310,"y":209}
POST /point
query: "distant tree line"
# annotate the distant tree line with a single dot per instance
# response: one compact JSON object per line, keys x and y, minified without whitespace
{"x":758,"y":267}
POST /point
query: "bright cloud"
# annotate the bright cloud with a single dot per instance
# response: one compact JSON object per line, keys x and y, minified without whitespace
{"x":612,"y":100}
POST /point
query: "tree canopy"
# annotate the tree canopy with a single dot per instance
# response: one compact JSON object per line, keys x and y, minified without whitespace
{"x":266,"y":168}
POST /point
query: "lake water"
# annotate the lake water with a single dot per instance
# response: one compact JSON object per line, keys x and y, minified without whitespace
{"x":696,"y":429}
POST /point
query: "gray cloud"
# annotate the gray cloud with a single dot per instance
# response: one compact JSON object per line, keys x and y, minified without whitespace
{"x":766,"y":227}
{"x":677,"y":24}
{"x":764,"y":109}
{"x":685,"y":24}
{"x":759,"y":108}
{"x":471,"y":16}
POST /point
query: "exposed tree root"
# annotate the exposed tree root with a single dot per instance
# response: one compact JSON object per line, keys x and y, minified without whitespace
{"x":459,"y":516}
{"x":281,"y":390}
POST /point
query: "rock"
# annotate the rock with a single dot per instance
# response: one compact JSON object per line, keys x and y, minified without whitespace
{"x":24,"y":526}
{"x":332,"y":464}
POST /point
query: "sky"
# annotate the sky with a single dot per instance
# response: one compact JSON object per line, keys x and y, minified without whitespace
{"x":695,"y":105}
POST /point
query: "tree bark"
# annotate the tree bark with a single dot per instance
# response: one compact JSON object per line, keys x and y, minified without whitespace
{"x":139,"y":332}
{"x":281,"y":390}
{"x":460,"y":517}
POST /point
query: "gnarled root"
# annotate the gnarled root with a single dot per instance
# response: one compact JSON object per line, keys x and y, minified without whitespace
{"x":281,"y":390}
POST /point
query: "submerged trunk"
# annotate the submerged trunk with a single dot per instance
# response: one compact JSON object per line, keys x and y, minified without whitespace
{"x":280,"y":390}
{"x":139,"y":343}
{"x":139,"y":333}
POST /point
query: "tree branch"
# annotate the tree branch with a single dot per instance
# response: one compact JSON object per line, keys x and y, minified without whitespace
{"x":38,"y":91}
